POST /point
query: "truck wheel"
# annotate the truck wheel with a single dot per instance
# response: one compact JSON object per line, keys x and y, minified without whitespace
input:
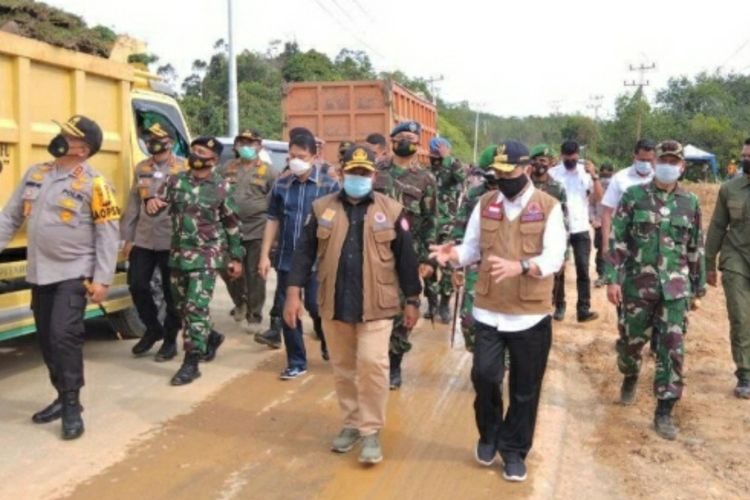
{"x":127,"y":323}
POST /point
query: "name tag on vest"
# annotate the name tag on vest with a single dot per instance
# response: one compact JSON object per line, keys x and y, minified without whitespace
{"x":493,"y":211}
{"x":533,"y":213}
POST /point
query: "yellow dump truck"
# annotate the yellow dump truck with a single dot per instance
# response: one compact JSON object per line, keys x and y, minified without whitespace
{"x":40,"y":83}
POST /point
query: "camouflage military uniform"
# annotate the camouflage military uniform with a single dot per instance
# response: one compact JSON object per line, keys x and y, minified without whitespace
{"x":415,"y":188}
{"x":656,"y":252}
{"x":205,"y":229}
{"x":450,"y":177}
{"x":458,"y":229}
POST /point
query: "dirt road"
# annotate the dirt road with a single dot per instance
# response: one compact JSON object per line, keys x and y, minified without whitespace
{"x":249,"y":435}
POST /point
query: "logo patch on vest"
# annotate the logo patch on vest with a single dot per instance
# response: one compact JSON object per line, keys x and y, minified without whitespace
{"x":404,"y":224}
{"x":493,"y":211}
{"x":533,"y":213}
{"x":380,"y":217}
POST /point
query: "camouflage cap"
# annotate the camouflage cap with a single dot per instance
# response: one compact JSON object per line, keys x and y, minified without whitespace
{"x":670,"y":148}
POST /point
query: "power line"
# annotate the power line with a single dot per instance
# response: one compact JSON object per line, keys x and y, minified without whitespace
{"x":642,"y":69}
{"x":739,"y":49}
{"x":362,"y":9}
{"x":349,"y":29}
{"x":346,"y":12}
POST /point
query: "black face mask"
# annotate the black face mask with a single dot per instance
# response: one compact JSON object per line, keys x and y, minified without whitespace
{"x":540,"y":170}
{"x":570,"y":164}
{"x":436,"y":162}
{"x":198,"y":163}
{"x":404,"y":148}
{"x":512,"y":187}
{"x":58,"y":146}
{"x":155,"y":147}
{"x":745,"y":166}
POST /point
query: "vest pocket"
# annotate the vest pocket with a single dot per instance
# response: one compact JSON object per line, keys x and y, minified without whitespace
{"x":383,"y":239}
{"x":534,"y":290}
{"x":483,"y":278}
{"x":387,"y":290}
{"x":488,"y":233}
{"x":532,"y":237}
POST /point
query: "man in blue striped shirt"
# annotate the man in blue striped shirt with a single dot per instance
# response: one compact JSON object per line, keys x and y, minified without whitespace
{"x":290,"y":204}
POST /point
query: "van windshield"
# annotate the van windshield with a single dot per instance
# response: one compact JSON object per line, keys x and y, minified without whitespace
{"x":148,"y":112}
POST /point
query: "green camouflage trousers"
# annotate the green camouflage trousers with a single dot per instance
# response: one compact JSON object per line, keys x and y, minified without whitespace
{"x":399,"y":343}
{"x":439,"y":284}
{"x":192,"y":292}
{"x":467,"y":318}
{"x":640,"y":319}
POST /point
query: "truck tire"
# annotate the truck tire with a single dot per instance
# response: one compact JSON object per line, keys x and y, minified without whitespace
{"x":127,"y":323}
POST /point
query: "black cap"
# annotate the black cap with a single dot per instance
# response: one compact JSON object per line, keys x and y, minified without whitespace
{"x":85,"y":129}
{"x":161,"y":131}
{"x":249,"y":134}
{"x":359,"y":157}
{"x":211,"y":143}
{"x":344,"y":146}
{"x":407,"y":126}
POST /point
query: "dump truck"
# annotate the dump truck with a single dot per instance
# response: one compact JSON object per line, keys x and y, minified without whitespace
{"x":352,"y":110}
{"x":40,"y":83}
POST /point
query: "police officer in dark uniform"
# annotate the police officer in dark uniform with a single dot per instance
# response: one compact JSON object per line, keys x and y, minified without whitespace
{"x":72,"y":223}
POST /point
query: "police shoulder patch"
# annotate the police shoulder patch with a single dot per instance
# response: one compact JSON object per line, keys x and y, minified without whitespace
{"x":103,"y":203}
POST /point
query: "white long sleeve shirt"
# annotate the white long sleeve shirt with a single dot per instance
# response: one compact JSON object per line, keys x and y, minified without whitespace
{"x":549,"y":261}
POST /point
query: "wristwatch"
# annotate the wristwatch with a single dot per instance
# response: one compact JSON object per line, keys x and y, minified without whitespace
{"x":525,"y":267}
{"x":414,"y":302}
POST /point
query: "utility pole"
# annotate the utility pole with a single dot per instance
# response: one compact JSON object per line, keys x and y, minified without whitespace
{"x":478,"y":106}
{"x":431,"y":82}
{"x":642,"y":69}
{"x":556,"y":106}
{"x":595,"y":102}
{"x":232,"y":98}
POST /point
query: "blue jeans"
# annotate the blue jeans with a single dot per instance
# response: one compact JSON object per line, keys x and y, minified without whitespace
{"x":296,"y":356}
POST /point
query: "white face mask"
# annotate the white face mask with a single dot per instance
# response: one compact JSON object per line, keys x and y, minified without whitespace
{"x":299,"y":167}
{"x":643,"y":168}
{"x":667,"y":173}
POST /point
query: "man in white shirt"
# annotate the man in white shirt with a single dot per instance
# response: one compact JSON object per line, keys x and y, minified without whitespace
{"x":582,"y":187}
{"x":639,"y":173}
{"x":518,"y":237}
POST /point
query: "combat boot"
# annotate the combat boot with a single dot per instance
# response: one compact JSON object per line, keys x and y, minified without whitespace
{"x":663,"y":419}
{"x":742,"y":391}
{"x":72,"y":423}
{"x":272,"y":336}
{"x":627,"y":390}
{"x":189,"y":370}
{"x":559,"y":311}
{"x":395,"y":371}
{"x":167,"y":351}
{"x":444,"y":310}
{"x":214,"y":340}
{"x":431,"y":305}
{"x":51,"y":412}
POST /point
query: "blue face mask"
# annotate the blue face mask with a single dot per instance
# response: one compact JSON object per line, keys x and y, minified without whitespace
{"x":666,"y":173}
{"x":643,"y":168}
{"x":357,"y":186}
{"x":247,"y":153}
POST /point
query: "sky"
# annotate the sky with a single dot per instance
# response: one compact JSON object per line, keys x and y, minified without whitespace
{"x":515,"y":58}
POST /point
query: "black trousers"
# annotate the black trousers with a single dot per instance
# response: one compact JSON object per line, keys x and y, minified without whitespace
{"x":558,"y":290}
{"x":58,"y":313}
{"x":143,"y":263}
{"x":528,"y":351}
{"x":581,"y":243}
{"x":599,"y":252}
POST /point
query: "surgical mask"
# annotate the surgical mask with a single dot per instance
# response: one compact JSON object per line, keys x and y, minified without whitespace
{"x":643,"y":168}
{"x":299,"y":167}
{"x":58,"y":146}
{"x":247,"y":153}
{"x":357,"y":186}
{"x":570,"y":164}
{"x":198,"y":163}
{"x":512,"y":187}
{"x":745,"y":166}
{"x":666,"y":173}
{"x":404,"y":148}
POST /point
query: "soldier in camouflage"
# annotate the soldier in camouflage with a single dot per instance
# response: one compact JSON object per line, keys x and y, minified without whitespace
{"x":412,"y":185}
{"x":205,"y":235}
{"x":655,"y":271}
{"x":467,"y":278}
{"x":541,"y":161}
{"x":252,"y":180}
{"x":451,"y":177}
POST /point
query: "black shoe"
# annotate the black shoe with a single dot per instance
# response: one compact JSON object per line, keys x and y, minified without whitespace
{"x":324,"y":353}
{"x":742,"y":391}
{"x":514,"y":469}
{"x":395,"y":370}
{"x":272,"y":336}
{"x":146,"y":343}
{"x":167,"y":351}
{"x":72,"y":423}
{"x":485,"y":453}
{"x":559,"y":312}
{"x":52,"y":412}
{"x":627,"y":390}
{"x":584,"y":317}
{"x":214,"y":340}
{"x":189,"y":370}
{"x":663,"y":423}
{"x":444,"y":310}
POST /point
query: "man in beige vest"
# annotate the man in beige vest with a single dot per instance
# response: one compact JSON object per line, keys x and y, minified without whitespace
{"x":363,"y":247}
{"x":518,"y":237}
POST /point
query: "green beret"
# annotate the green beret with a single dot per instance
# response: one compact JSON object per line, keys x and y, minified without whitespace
{"x":487,"y":157}
{"x":541,"y":150}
